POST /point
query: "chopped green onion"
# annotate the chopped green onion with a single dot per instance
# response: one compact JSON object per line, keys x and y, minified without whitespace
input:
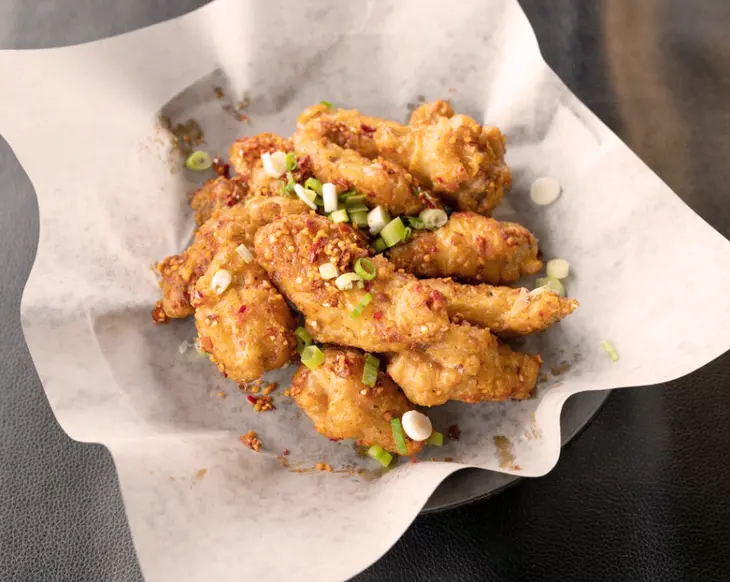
{"x":557,"y":268}
{"x":366,"y":269}
{"x":244,"y":253}
{"x":199,"y":161}
{"x":433,"y":217}
{"x":312,"y":357}
{"x":608,"y":346}
{"x":400,"y":440}
{"x":552,"y":284}
{"x":378,"y":217}
{"x":329,"y":196}
{"x":379,"y":454}
{"x":339,"y":216}
{"x":305,"y":195}
{"x":379,"y":245}
{"x":289,"y":187}
{"x":291,"y":162}
{"x":407,"y":233}
{"x":356,"y":204}
{"x":304,"y":340}
{"x":345,"y":196}
{"x":393,"y":232}
{"x":313,"y":184}
{"x":345,"y":281}
{"x":370,"y":371}
{"x":327,"y":104}
{"x":319,"y":202}
{"x":359,"y":218}
{"x":328,"y":271}
{"x":436,"y":439}
{"x":360,"y":307}
{"x":416,"y":223}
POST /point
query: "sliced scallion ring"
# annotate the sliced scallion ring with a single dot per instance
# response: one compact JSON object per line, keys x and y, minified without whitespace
{"x":312,"y":357}
{"x":370,"y":371}
{"x":610,"y":350}
{"x":436,"y":439}
{"x":378,"y":217}
{"x":327,"y":104}
{"x":366,"y":269}
{"x":379,"y":454}
{"x":416,"y":223}
{"x":339,"y":216}
{"x":393,"y":232}
{"x":313,"y":184}
{"x":328,"y":271}
{"x":379,"y":245}
{"x":400,"y":439}
{"x":198,"y":161}
{"x":433,"y":217}
{"x":557,"y":268}
{"x":552,"y":284}
{"x":360,"y":307}
{"x":407,"y":233}
{"x":291,"y":162}
{"x":359,"y":218}
{"x":346,"y":280}
{"x":329,"y":196}
{"x":306,"y":196}
{"x":304,"y":340}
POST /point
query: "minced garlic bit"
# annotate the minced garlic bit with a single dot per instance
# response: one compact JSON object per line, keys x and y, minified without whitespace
{"x":221,"y":280}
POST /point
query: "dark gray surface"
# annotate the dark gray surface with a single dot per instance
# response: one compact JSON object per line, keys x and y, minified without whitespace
{"x":642,"y":495}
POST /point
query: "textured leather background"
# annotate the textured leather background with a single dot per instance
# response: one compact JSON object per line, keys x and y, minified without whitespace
{"x":641,"y":495}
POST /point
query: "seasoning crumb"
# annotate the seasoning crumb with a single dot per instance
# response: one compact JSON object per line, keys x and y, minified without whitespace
{"x":221,"y":394}
{"x":448,"y":459}
{"x":251,"y":441}
{"x":323,"y":467}
{"x":262,"y":403}
{"x":219,"y":92}
{"x":200,"y":474}
{"x":270,"y":387}
{"x":454,"y":432}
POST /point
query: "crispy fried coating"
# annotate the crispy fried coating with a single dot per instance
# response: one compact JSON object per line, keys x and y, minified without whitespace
{"x":403,"y":312}
{"x":505,"y":311}
{"x":248,"y":329}
{"x":429,"y":113}
{"x":471,"y":247}
{"x":468,"y":364}
{"x":215,"y":195}
{"x":237,"y":224}
{"x":455,"y":157}
{"x":342,"y":407}
{"x":328,"y":142}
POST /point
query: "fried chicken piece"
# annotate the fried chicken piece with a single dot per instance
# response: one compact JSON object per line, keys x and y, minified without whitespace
{"x":429,"y":113}
{"x":404,"y":312}
{"x":237,"y":224}
{"x":339,"y":154}
{"x":471,"y":247}
{"x":468,"y":364}
{"x":215,"y":195}
{"x":248,"y":328}
{"x":505,"y":311}
{"x":342,"y":407}
{"x":245,"y":158}
{"x":460,"y":160}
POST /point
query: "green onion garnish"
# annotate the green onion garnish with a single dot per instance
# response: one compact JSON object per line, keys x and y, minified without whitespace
{"x":608,"y":346}
{"x":339,"y":216}
{"x":407,"y":233}
{"x":291,"y":162}
{"x":552,"y":284}
{"x":380,"y":455}
{"x":327,"y":104}
{"x":378,"y":217}
{"x":415,"y":222}
{"x":288,"y":189}
{"x":346,"y":195}
{"x":312,"y":357}
{"x":199,"y":161}
{"x":379,"y":245}
{"x":400,"y":440}
{"x":366,"y":269}
{"x":313,"y":184}
{"x":356,"y":204}
{"x":304,"y":340}
{"x":393,"y":232}
{"x":359,"y":218}
{"x":370,"y":371}
{"x":433,"y":217}
{"x":436,"y":439}
{"x":346,"y":280}
{"x":360,"y":307}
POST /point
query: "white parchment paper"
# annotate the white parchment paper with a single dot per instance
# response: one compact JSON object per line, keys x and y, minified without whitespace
{"x":650,"y":275}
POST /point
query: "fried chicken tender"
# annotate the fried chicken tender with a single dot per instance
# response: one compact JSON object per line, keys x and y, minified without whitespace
{"x":215,"y":195}
{"x":248,"y":328}
{"x":468,"y":364}
{"x":342,"y":152}
{"x":342,"y":407}
{"x":505,"y":311}
{"x":429,"y":113}
{"x":245,"y":159}
{"x":237,"y":224}
{"x":403,"y":312}
{"x":471,"y":247}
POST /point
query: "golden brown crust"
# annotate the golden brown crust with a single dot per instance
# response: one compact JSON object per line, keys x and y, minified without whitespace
{"x":429,"y":113}
{"x":236,"y":224}
{"x":248,"y":329}
{"x":505,"y":311}
{"x":471,"y":247}
{"x":404,"y":312}
{"x":469,"y":364}
{"x":215,"y":195}
{"x":342,"y":407}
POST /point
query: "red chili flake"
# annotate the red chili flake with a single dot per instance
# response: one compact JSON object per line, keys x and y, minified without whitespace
{"x":251,"y":399}
{"x":242,"y":309}
{"x":367,"y":285}
{"x":335,"y":440}
{"x":285,"y":452}
{"x":378,"y":314}
{"x":231,"y":201}
{"x":367,"y":128}
{"x":220,"y":167}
